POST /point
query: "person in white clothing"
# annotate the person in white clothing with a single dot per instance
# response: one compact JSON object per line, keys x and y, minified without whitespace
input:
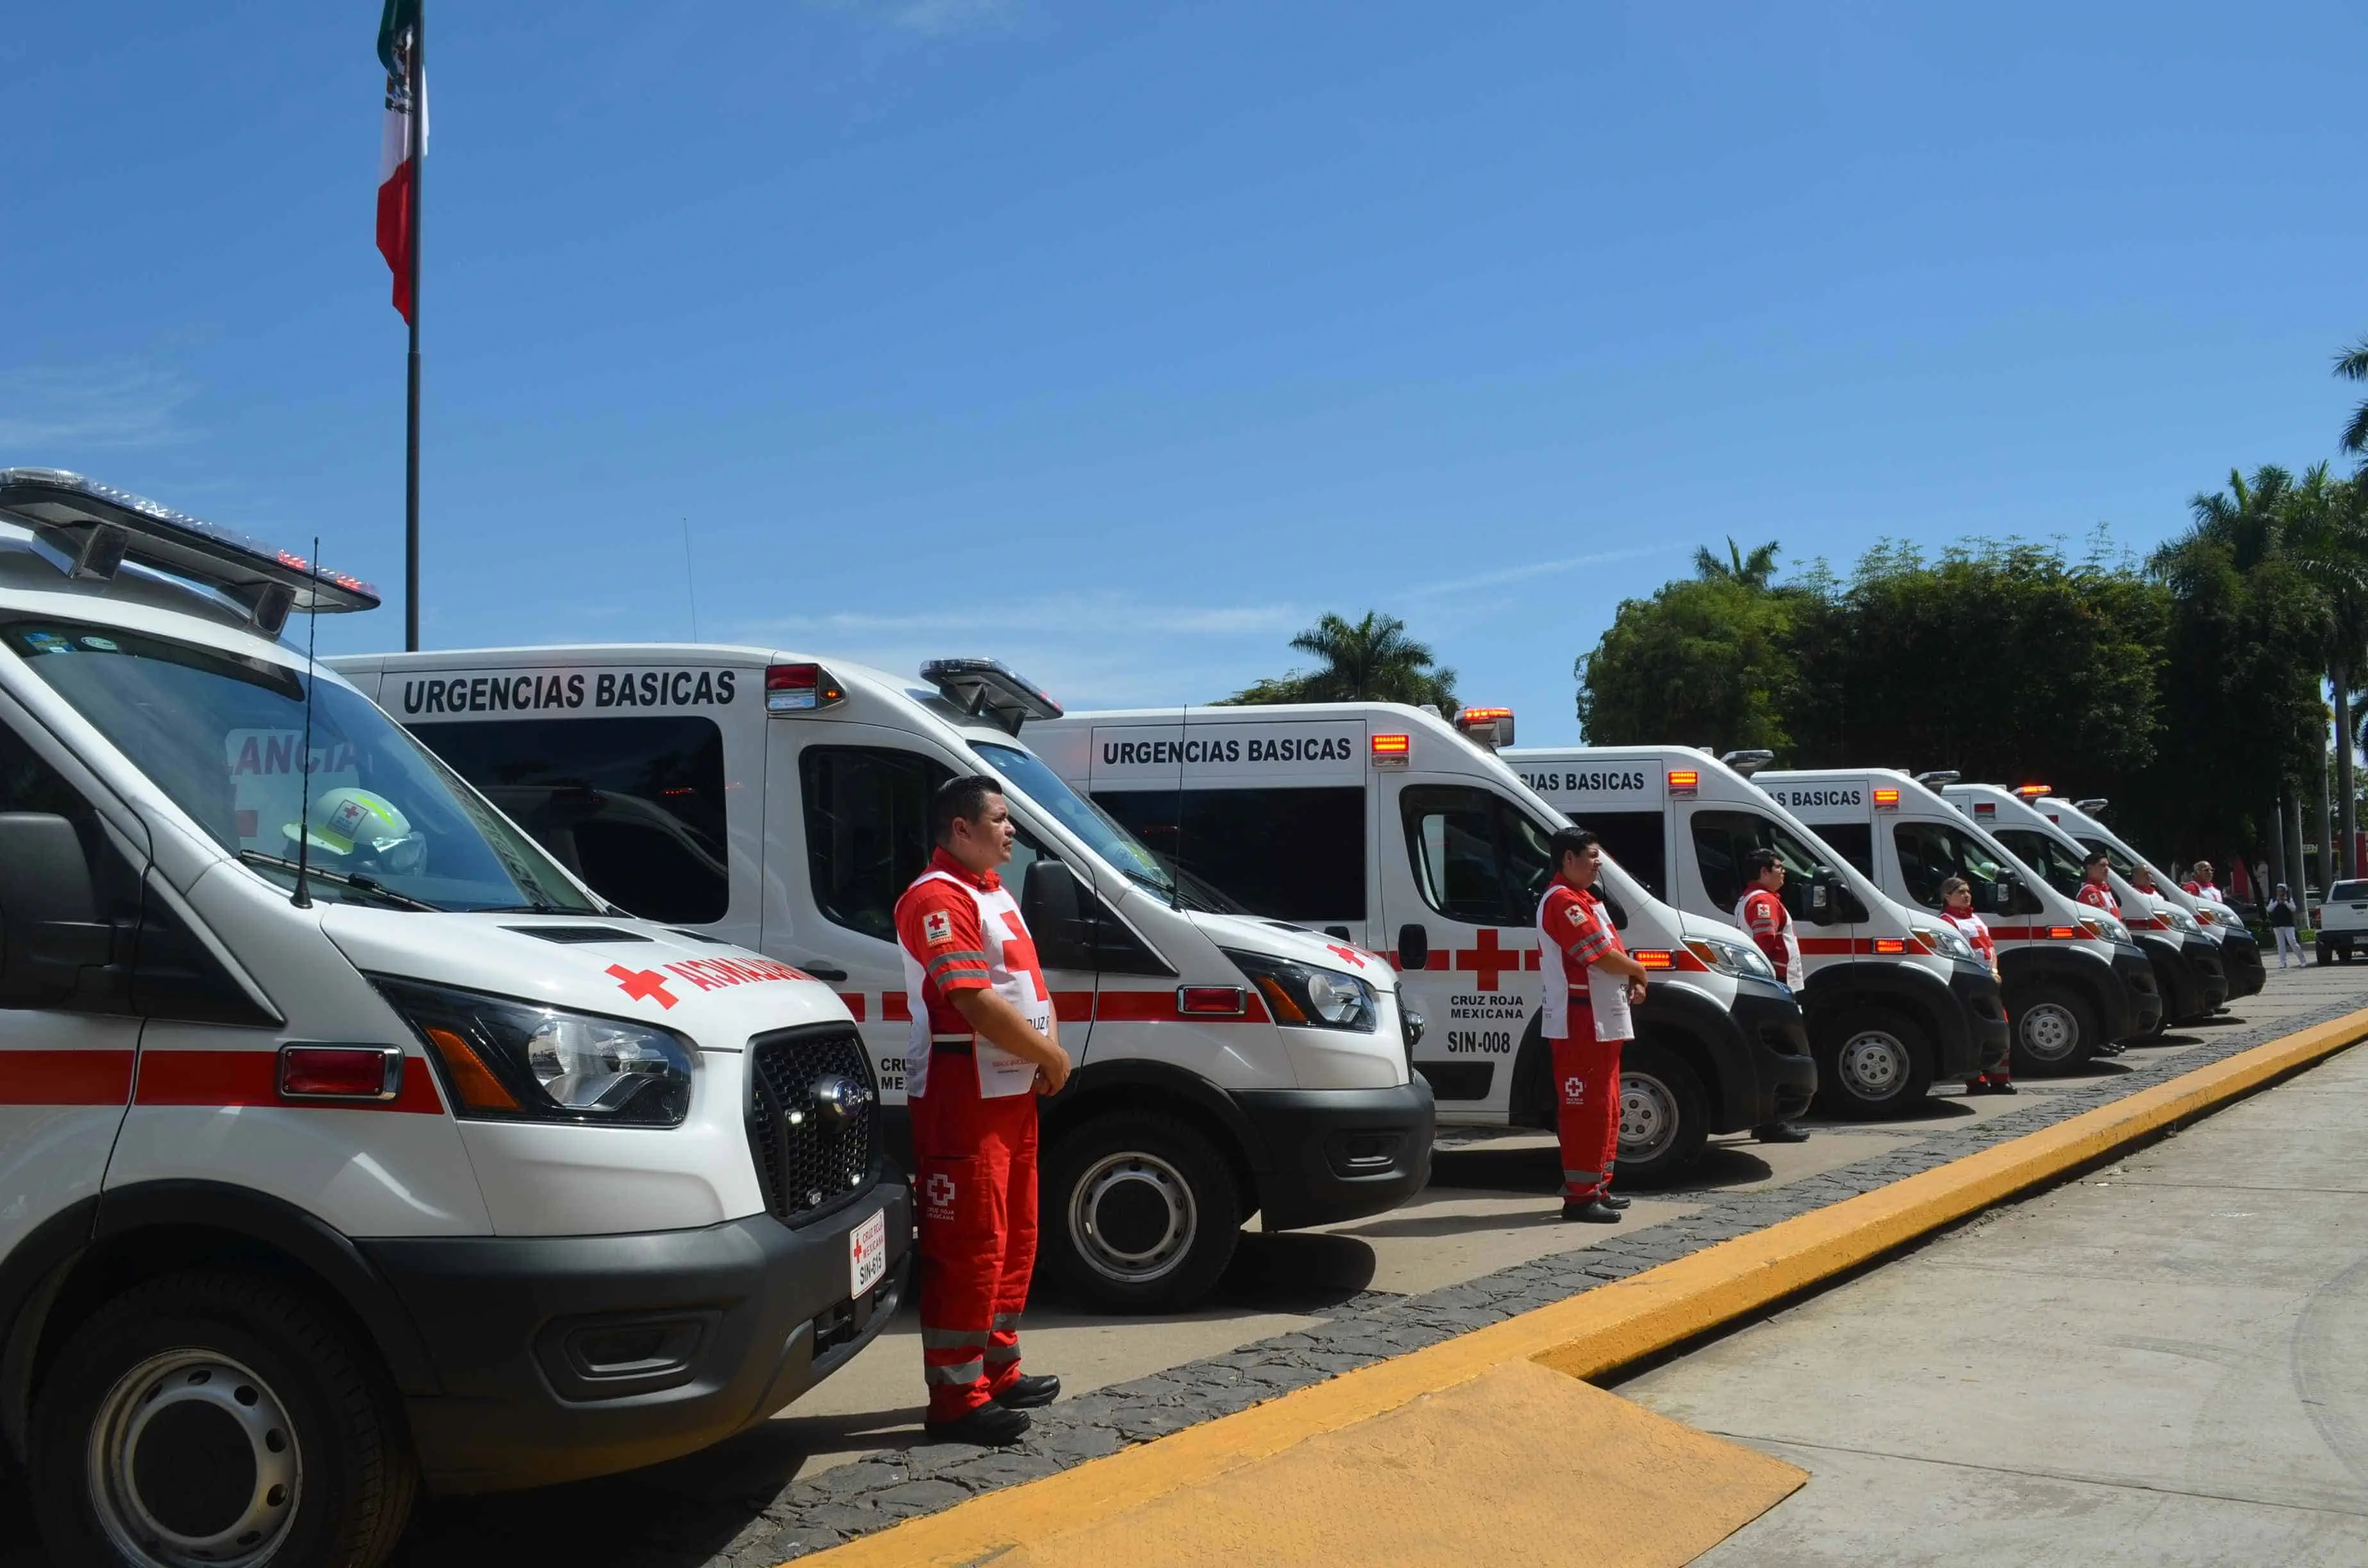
{"x":2283,"y":919}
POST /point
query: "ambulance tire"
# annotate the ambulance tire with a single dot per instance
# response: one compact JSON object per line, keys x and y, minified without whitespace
{"x":1664,"y":1117}
{"x":1139,"y":1213}
{"x":1872,"y":1063}
{"x":2054,"y":1031}
{"x":211,"y":1416}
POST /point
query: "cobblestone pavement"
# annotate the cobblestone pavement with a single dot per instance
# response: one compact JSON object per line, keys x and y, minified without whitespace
{"x":760,"y":1498}
{"x":729,"y":1508}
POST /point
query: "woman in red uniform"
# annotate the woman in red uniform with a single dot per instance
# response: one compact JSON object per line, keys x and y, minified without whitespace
{"x":1957,"y":909}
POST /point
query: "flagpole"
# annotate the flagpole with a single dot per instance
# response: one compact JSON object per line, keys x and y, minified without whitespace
{"x":415,"y":68}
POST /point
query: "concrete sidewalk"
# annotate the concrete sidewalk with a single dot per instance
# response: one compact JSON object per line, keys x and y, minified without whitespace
{"x":2165,"y":1363}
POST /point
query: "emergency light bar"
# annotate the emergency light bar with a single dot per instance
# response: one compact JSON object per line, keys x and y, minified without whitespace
{"x":85,"y":528}
{"x":1489,"y":726}
{"x":1748,"y":762}
{"x":2030,"y":791}
{"x":987,"y":689}
{"x":1940,"y":777}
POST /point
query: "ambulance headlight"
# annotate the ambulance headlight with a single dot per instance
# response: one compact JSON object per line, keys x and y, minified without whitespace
{"x":1945,"y":940}
{"x":504,"y":1060}
{"x":1732,"y":958}
{"x":1304,"y":996}
{"x":2181,"y":921}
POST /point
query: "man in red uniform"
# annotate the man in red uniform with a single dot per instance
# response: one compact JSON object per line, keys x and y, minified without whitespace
{"x":2199,"y":883}
{"x":983,"y":1045}
{"x":1589,"y":973}
{"x":2094,"y":890}
{"x":1761,"y":912}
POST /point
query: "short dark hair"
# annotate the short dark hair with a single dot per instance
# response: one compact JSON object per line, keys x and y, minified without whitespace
{"x":2094,"y":857}
{"x":1759,"y":862}
{"x":963,"y":798}
{"x":1569,"y":841}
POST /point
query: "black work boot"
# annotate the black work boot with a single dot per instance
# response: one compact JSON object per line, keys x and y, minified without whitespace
{"x":1611,"y":1200}
{"x":1590,"y":1211}
{"x":1029,"y":1393}
{"x":991,"y":1426}
{"x":1781,"y":1132}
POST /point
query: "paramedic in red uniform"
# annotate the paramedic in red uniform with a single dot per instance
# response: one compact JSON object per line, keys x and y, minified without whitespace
{"x":1761,"y":912}
{"x":983,"y":1045}
{"x":2093,"y":888}
{"x":2199,"y":883}
{"x":1957,"y":909}
{"x":1591,"y":984}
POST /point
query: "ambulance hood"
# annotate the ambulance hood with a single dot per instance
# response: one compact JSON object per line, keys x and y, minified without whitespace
{"x":1269,"y":938}
{"x":714,"y":995}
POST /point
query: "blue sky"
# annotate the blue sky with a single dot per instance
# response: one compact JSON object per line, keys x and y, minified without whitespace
{"x":1122,"y":339}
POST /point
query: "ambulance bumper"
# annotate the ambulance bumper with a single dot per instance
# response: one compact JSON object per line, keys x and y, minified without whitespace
{"x":2240,"y":959}
{"x":1983,"y":1007}
{"x":1775,"y":1040}
{"x":566,"y":1356}
{"x":1338,"y":1154}
{"x":2141,"y":997}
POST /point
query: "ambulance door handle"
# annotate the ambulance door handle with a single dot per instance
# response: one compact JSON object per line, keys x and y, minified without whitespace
{"x":824,"y":972}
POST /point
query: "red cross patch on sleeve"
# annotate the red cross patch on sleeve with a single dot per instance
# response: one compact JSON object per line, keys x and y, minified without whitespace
{"x":937,"y":927}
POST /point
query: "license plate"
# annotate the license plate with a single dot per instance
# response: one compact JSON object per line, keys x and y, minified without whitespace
{"x":866,"y":1254}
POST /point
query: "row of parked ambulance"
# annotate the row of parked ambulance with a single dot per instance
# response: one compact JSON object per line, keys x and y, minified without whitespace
{"x":482,"y":1068}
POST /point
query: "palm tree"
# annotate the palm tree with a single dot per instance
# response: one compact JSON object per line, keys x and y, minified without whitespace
{"x":2324,"y":529}
{"x":1752,"y":571}
{"x":1372,"y":660}
{"x":2244,"y":519}
{"x":2352,"y":365}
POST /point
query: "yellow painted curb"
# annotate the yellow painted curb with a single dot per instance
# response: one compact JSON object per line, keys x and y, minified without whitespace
{"x":1597,"y":1331}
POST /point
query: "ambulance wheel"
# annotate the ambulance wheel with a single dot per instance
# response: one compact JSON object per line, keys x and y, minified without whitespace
{"x":1140,"y":1213}
{"x":218,"y":1419}
{"x":1664,"y":1117}
{"x":1870,"y":1062}
{"x":2054,"y":1031}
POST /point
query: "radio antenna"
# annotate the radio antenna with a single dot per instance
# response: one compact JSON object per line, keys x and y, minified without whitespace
{"x":303,"y":895}
{"x":690,"y":582}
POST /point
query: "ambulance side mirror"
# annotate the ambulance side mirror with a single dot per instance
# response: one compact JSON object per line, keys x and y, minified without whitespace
{"x":2002,"y":895}
{"x":50,"y":929}
{"x":1053,"y":905}
{"x":1413,"y":946}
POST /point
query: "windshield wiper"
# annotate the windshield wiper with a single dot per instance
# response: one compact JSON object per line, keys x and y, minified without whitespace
{"x":369,"y":887}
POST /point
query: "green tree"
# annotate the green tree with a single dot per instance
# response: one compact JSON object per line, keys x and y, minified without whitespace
{"x":2352,"y":365}
{"x":2325,"y":530}
{"x":1756,"y":570}
{"x":1371,"y":660}
{"x":2005,"y":663}
{"x":1706,"y":662}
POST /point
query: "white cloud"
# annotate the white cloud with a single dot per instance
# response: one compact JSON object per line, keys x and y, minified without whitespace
{"x":1522,"y":573}
{"x":114,"y":403}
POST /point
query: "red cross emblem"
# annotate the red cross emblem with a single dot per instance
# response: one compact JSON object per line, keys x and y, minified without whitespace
{"x":1351,"y":954}
{"x":641,"y":985}
{"x":1489,"y":961}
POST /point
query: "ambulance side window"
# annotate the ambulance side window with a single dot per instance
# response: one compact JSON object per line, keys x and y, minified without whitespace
{"x":867,"y":811}
{"x":2044,"y":855}
{"x":1931,"y":853}
{"x":1285,"y":854}
{"x":1721,"y":839}
{"x":1853,"y":841}
{"x":633,"y":806}
{"x":1475,"y":859}
{"x":1636,"y":840}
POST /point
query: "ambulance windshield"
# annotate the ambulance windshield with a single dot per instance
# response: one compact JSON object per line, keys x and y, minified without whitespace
{"x":224,"y":737}
{"x":1100,"y":832}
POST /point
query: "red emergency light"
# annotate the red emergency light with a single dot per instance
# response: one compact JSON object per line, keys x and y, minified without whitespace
{"x":1890,"y":947}
{"x":1655,"y":958}
{"x":795,"y":689}
{"x":340,"y":1072}
{"x":2063,"y":932}
{"x":1392,"y":747}
{"x":2030,"y":791}
{"x":1212,"y":1001}
{"x":1886,"y":798}
{"x":1489,"y":726}
{"x":1684,"y":781}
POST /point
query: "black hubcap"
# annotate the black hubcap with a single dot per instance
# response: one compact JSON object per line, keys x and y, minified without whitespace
{"x":193,"y":1470}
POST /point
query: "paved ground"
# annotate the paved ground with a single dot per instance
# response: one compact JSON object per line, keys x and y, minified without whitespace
{"x":1480,"y":1245}
{"x":2165,"y":1363}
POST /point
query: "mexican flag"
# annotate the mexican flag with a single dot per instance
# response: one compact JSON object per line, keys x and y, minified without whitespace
{"x":398,"y":38}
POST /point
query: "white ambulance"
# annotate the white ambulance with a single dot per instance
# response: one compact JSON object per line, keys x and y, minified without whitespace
{"x":2240,"y":953}
{"x":1226,"y":1067}
{"x":2075,"y":983}
{"x":1380,"y":825}
{"x":1895,"y":999}
{"x":2187,"y":968}
{"x":346,"y":1142}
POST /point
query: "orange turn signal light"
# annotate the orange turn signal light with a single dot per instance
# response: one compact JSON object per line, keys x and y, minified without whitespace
{"x":472,"y":1080}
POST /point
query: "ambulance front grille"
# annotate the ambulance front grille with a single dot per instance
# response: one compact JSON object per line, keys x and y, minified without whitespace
{"x":813,"y":1150}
